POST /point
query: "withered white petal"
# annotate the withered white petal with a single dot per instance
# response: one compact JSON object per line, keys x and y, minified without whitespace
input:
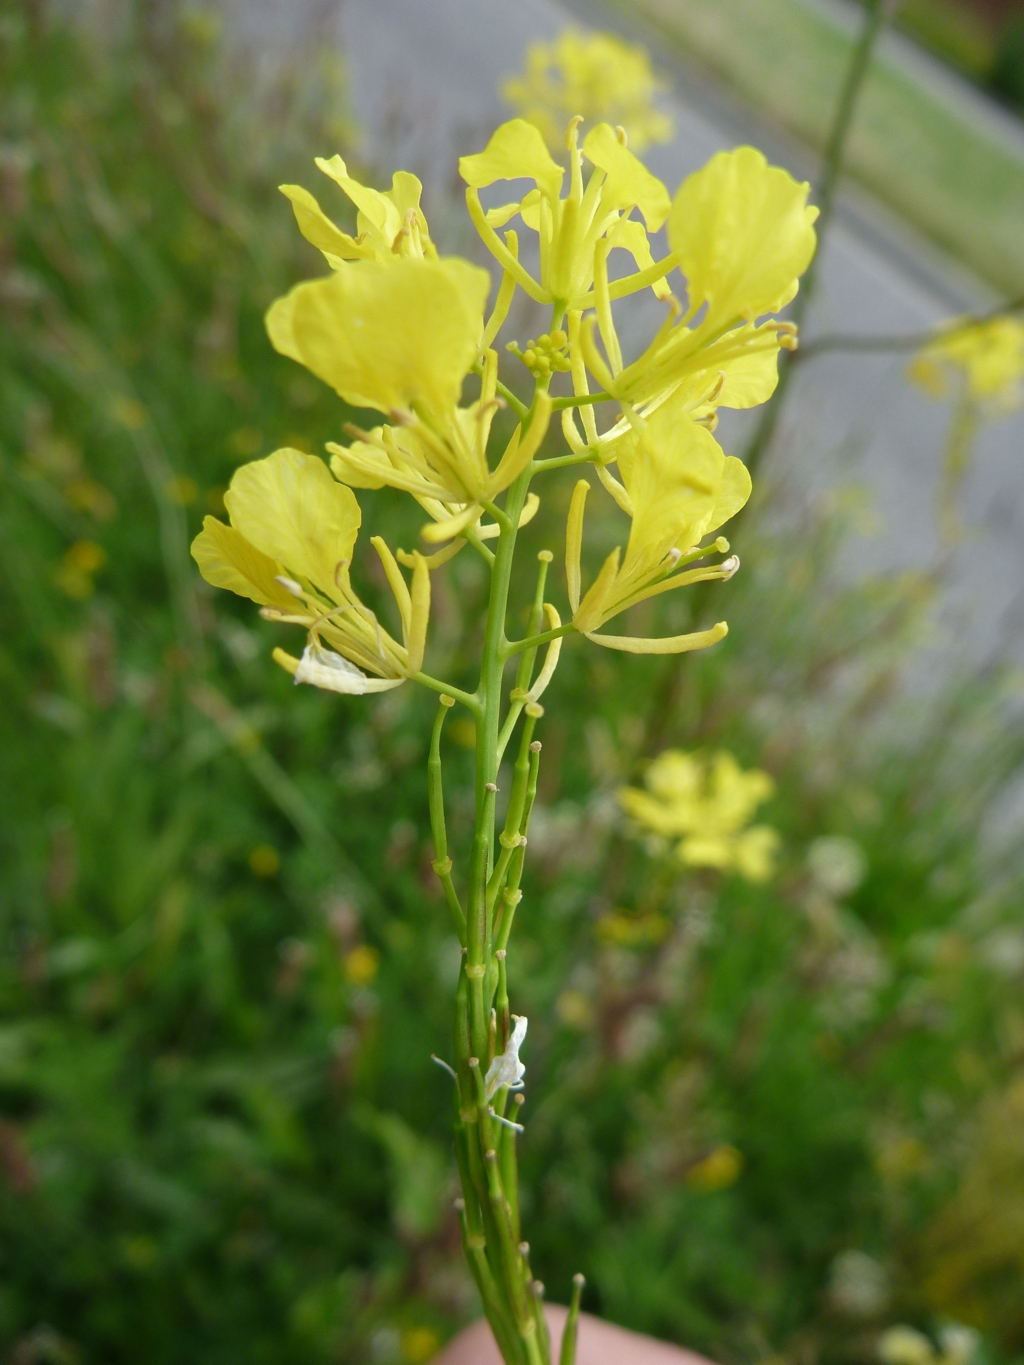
{"x":507,"y":1069}
{"x":329,"y":671}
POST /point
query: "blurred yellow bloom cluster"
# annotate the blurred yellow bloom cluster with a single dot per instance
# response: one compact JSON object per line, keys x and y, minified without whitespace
{"x":706,"y":802}
{"x":986,"y":360}
{"x":596,"y":75}
{"x":396,"y":328}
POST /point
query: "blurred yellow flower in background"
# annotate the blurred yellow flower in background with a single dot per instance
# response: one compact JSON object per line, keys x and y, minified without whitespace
{"x":721,"y":1168}
{"x":265,"y":861}
{"x":361,"y":964}
{"x":593,"y":74}
{"x":706,"y":801}
{"x":985,"y":358}
{"x":979,"y":366}
{"x":75,"y":571}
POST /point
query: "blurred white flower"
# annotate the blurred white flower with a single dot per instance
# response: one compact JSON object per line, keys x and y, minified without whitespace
{"x":837,"y":864}
{"x":958,"y":1343}
{"x":858,"y":1284}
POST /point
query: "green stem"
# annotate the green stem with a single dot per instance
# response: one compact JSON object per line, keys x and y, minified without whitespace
{"x":442,"y":864}
{"x":585,"y":456}
{"x":568,"y":1352}
{"x":532,"y":641}
{"x":446,"y":690}
{"x":876,"y":14}
{"x":580,"y":400}
{"x":956,"y":459}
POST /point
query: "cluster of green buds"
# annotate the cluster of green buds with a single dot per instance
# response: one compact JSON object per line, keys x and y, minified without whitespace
{"x":546,"y":356}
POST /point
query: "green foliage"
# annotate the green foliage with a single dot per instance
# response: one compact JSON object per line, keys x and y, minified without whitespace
{"x":1007,"y":74}
{"x":225,"y":958}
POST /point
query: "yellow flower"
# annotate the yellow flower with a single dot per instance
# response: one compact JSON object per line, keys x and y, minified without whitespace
{"x":443,"y":461}
{"x":986,"y":357}
{"x":742,"y":234}
{"x":677,"y":486}
{"x":401,"y":338}
{"x":362,"y":964}
{"x":389,"y":225}
{"x":289,"y":547}
{"x":596,"y":75}
{"x":721,"y":1168}
{"x":570,"y":231}
{"x":706,"y":803}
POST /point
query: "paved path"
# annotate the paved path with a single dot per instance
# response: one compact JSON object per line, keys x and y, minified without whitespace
{"x":424,"y":79}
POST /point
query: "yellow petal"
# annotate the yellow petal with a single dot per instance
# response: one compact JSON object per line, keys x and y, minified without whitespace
{"x":292,"y":509}
{"x":733,"y":492}
{"x":280,"y":327}
{"x":227,"y":560}
{"x":628,"y":234}
{"x":435,"y":531}
{"x":358,"y":467}
{"x":416,"y":634}
{"x":377,"y":208}
{"x":672,"y":644}
{"x":406,"y":190}
{"x":396,"y":582}
{"x":387,"y":336}
{"x":516,"y":151}
{"x":318,"y":229}
{"x":742,"y":232}
{"x":673,"y":474}
{"x":629,"y":184}
{"x":574,"y":541}
{"x":550,"y":658}
{"x":747,"y":360}
{"x":591,"y":611}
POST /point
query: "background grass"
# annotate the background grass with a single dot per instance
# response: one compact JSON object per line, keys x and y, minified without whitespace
{"x":225,"y":959}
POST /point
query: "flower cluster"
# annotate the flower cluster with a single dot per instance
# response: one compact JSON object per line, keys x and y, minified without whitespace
{"x":596,"y":75}
{"x":398,"y":329}
{"x":706,"y":802}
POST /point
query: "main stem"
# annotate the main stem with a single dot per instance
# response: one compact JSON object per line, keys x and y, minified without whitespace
{"x":485,"y":1140}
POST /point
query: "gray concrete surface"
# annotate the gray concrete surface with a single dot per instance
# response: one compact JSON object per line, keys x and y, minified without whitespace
{"x":424,"y":80}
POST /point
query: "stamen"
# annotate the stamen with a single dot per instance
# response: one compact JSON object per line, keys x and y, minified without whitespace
{"x":444,"y":1065}
{"x":290,"y":585}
